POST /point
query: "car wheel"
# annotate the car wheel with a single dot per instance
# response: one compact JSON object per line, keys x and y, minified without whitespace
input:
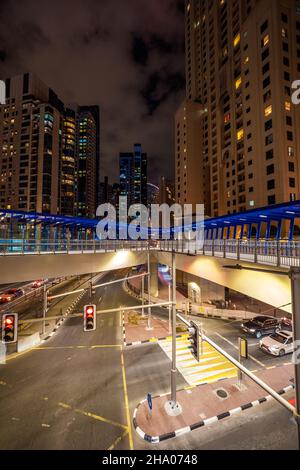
{"x":281,"y":352}
{"x":258,"y":335}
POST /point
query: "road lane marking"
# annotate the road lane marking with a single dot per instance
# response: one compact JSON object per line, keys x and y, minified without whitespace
{"x":126,"y":400}
{"x":96,"y":346}
{"x":3,"y":383}
{"x":119,"y":439}
{"x":236,"y":347}
{"x":92,"y":415}
{"x":211,"y":367}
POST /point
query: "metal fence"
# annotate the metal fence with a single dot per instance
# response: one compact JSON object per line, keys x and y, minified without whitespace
{"x":281,"y":253}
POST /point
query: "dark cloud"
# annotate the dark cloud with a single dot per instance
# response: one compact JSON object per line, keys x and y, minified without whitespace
{"x":140,"y":50}
{"x":159,"y":86}
{"x":126,"y":56}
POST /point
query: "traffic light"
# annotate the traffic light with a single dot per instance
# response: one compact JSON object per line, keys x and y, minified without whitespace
{"x":89,"y":318}
{"x":9,"y":328}
{"x":194,"y":339}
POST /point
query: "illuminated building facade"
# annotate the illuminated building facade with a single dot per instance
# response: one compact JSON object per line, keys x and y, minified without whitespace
{"x":241,"y":58}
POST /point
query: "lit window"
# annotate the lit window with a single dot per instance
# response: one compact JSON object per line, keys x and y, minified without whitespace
{"x":237,"y":40}
{"x":268,"y":110}
{"x":227,"y":118}
{"x":238,"y":83}
{"x":246,"y":60}
{"x":266,"y":40}
{"x":251,"y":203}
{"x":240,"y":134}
{"x":188,"y":7}
{"x":287,"y":106}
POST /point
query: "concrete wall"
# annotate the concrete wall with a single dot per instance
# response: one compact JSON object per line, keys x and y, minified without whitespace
{"x":273,"y":289}
{"x":18,"y":268}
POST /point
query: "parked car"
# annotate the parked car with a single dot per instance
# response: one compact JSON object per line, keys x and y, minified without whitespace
{"x":10,"y":295}
{"x":261,"y":326}
{"x":286,"y":324}
{"x":278,"y":344}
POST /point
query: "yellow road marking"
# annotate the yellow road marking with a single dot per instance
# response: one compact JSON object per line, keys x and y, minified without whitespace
{"x":116,"y":442}
{"x":16,"y":355}
{"x":96,"y":346}
{"x":100,"y":418}
{"x":64,"y":405}
{"x":126,"y":401}
{"x":2,"y":382}
{"x":92,"y":415}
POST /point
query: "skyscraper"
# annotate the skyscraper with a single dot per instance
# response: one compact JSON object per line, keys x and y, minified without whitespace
{"x":30,"y":146}
{"x":133,"y":176}
{"x":241,"y":57}
{"x":49,"y":154}
{"x":68,"y":163}
{"x":87,"y":172}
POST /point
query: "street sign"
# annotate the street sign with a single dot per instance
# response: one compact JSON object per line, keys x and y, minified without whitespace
{"x":149,"y":400}
{"x":243,"y":345}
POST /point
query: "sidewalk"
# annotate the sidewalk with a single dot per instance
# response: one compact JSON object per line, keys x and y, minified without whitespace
{"x":202,"y":406}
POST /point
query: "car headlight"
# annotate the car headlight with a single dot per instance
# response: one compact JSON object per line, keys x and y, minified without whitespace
{"x":242,"y":325}
{"x":252,"y":331}
{"x":274,"y":348}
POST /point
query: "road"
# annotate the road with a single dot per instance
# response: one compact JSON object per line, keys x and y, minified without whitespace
{"x":78,"y":391}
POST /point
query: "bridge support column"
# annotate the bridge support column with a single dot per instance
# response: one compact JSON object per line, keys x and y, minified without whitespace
{"x":295,"y":286}
{"x":153,"y":276}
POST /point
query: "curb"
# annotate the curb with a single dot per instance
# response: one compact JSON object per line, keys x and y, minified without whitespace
{"x":199,"y":424}
{"x":69,"y":310}
{"x":218,"y":317}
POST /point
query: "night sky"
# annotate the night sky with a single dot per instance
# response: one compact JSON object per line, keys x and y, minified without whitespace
{"x":125,"y":55}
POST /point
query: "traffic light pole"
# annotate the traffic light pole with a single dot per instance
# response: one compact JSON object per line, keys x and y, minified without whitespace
{"x":172,"y":407}
{"x":149,"y":325}
{"x":143,"y":293}
{"x":170,"y":309}
{"x":295,"y":286}
{"x":45,"y":306}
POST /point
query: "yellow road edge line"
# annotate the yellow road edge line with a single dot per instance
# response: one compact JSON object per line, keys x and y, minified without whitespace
{"x":16,"y":355}
{"x":126,"y":400}
{"x":116,"y":442}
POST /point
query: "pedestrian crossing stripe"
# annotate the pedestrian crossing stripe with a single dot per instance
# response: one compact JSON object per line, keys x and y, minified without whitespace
{"x":211,"y":367}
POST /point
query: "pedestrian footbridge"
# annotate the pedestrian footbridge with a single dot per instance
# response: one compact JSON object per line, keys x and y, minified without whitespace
{"x":237,"y":251}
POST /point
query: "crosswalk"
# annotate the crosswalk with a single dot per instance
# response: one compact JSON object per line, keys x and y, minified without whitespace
{"x":211,"y":367}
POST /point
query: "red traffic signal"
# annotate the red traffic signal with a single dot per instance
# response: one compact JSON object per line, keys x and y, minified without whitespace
{"x":9,"y":328}
{"x":89,"y":318}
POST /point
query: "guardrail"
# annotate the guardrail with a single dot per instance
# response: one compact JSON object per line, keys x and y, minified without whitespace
{"x":275,"y":253}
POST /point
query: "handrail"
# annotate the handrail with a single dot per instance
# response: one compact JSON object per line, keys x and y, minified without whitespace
{"x":281,"y":253}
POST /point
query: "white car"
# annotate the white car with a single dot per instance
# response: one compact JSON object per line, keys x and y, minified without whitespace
{"x":278,"y":344}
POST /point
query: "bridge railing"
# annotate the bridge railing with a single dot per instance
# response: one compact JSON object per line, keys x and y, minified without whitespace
{"x":277,"y":253}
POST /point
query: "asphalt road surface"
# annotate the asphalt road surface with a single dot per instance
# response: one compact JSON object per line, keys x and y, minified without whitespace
{"x":79,"y":389}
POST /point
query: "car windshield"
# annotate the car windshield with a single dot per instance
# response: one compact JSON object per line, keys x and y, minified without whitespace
{"x":279,"y":338}
{"x":11,"y":291}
